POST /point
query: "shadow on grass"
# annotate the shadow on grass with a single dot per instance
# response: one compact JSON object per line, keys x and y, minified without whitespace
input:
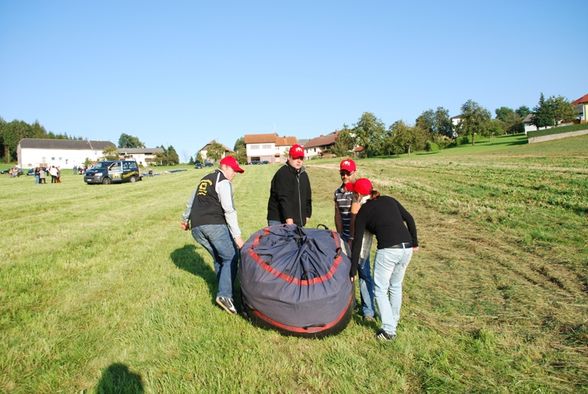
{"x":117,"y":378}
{"x":519,"y":141}
{"x":189,"y":260}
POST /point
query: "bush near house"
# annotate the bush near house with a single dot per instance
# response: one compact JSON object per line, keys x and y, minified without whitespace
{"x":557,"y":130}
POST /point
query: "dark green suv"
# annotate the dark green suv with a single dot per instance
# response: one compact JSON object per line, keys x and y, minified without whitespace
{"x":118,"y":171}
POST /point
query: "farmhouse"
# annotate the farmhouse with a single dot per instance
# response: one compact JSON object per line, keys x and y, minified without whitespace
{"x":528,"y":123}
{"x":267,"y":147}
{"x":143,"y":156}
{"x":318,"y":146}
{"x":32,"y":152}
{"x":581,"y":106}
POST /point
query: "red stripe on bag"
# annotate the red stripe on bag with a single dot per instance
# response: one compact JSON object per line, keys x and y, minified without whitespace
{"x":307,"y":330}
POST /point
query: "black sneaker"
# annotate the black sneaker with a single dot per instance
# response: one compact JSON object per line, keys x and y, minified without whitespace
{"x":227,"y":304}
{"x":384,"y":336}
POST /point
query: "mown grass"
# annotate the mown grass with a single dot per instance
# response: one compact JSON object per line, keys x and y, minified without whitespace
{"x":100,"y":288}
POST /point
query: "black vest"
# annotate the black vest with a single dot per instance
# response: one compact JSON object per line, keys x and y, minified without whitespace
{"x":206,"y":207}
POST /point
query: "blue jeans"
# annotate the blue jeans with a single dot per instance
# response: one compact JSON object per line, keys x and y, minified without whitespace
{"x":366,"y":288}
{"x":217,"y":240}
{"x":273,"y":223}
{"x":389,"y":268}
{"x":366,"y":284}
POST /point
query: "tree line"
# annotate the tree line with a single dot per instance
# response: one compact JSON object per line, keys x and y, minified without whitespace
{"x":435,"y":129}
{"x":12,"y":132}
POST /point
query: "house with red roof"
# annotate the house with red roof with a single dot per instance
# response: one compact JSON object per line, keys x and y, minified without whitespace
{"x":317,"y":147}
{"x":581,"y":105}
{"x":267,"y":147}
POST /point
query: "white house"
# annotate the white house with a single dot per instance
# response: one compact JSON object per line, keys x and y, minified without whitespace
{"x":581,"y":106}
{"x":528,"y":123}
{"x":267,"y":147}
{"x":143,"y":156}
{"x":32,"y":152}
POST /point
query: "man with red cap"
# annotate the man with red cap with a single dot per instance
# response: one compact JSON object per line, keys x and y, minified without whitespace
{"x":211,"y":214}
{"x":290,"y":200}
{"x":344,"y":216}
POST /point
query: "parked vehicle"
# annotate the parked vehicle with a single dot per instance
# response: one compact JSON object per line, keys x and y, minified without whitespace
{"x":118,"y":171}
{"x":198,"y":165}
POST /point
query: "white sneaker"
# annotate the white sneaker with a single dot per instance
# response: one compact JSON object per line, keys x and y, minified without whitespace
{"x":227,"y":304}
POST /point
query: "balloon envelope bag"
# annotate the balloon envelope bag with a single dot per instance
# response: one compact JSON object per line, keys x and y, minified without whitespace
{"x":296,"y":280}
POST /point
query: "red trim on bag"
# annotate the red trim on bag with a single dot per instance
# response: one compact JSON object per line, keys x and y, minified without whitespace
{"x":290,"y":279}
{"x":307,"y":330}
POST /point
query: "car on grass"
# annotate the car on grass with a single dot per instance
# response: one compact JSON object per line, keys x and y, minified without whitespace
{"x":117,"y":171}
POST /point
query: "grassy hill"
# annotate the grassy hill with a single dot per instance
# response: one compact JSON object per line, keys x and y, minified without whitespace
{"x":99,"y":286}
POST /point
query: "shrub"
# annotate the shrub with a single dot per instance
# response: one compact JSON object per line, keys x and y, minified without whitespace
{"x":430,"y":146}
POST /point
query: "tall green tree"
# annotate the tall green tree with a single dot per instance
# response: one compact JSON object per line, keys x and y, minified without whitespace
{"x":475,"y":119}
{"x":172,"y":156}
{"x":426,"y":121}
{"x":110,"y":153}
{"x":510,"y":121}
{"x":370,"y":132}
{"x":344,"y":143}
{"x":168,"y":156}
{"x":215,"y":150}
{"x":443,"y":122}
{"x":405,"y":139}
{"x":129,"y":141}
{"x":563,"y":110}
{"x":435,"y":122}
{"x":240,"y":150}
{"x":3,"y":147}
{"x":543,"y":115}
{"x":13,"y":132}
{"x":523,"y":111}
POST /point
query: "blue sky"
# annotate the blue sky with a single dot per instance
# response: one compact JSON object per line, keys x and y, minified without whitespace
{"x":183,"y":73}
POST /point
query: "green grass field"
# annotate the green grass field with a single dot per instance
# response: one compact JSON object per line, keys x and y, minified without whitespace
{"x":101,"y":291}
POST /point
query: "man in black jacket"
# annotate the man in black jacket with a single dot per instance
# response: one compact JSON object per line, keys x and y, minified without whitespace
{"x":290,"y":200}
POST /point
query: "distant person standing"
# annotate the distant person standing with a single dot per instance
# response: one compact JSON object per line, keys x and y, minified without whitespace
{"x":344,"y":217}
{"x":53,"y":173}
{"x":396,"y":233}
{"x":42,"y":175}
{"x":211,"y":214}
{"x":290,"y":199}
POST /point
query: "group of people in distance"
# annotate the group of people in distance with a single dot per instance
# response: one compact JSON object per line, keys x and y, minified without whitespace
{"x":360,"y":213}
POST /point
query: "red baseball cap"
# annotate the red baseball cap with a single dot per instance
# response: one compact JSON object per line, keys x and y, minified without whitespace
{"x":232,"y":162}
{"x":296,"y":152}
{"x":362,"y":186}
{"x":347,"y":165}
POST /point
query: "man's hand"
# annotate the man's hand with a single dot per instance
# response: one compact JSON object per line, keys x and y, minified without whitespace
{"x":239,"y":242}
{"x":185,"y":226}
{"x":415,"y":249}
{"x":289,"y":221}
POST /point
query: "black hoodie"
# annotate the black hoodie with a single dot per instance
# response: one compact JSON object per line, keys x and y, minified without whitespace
{"x":290,"y":196}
